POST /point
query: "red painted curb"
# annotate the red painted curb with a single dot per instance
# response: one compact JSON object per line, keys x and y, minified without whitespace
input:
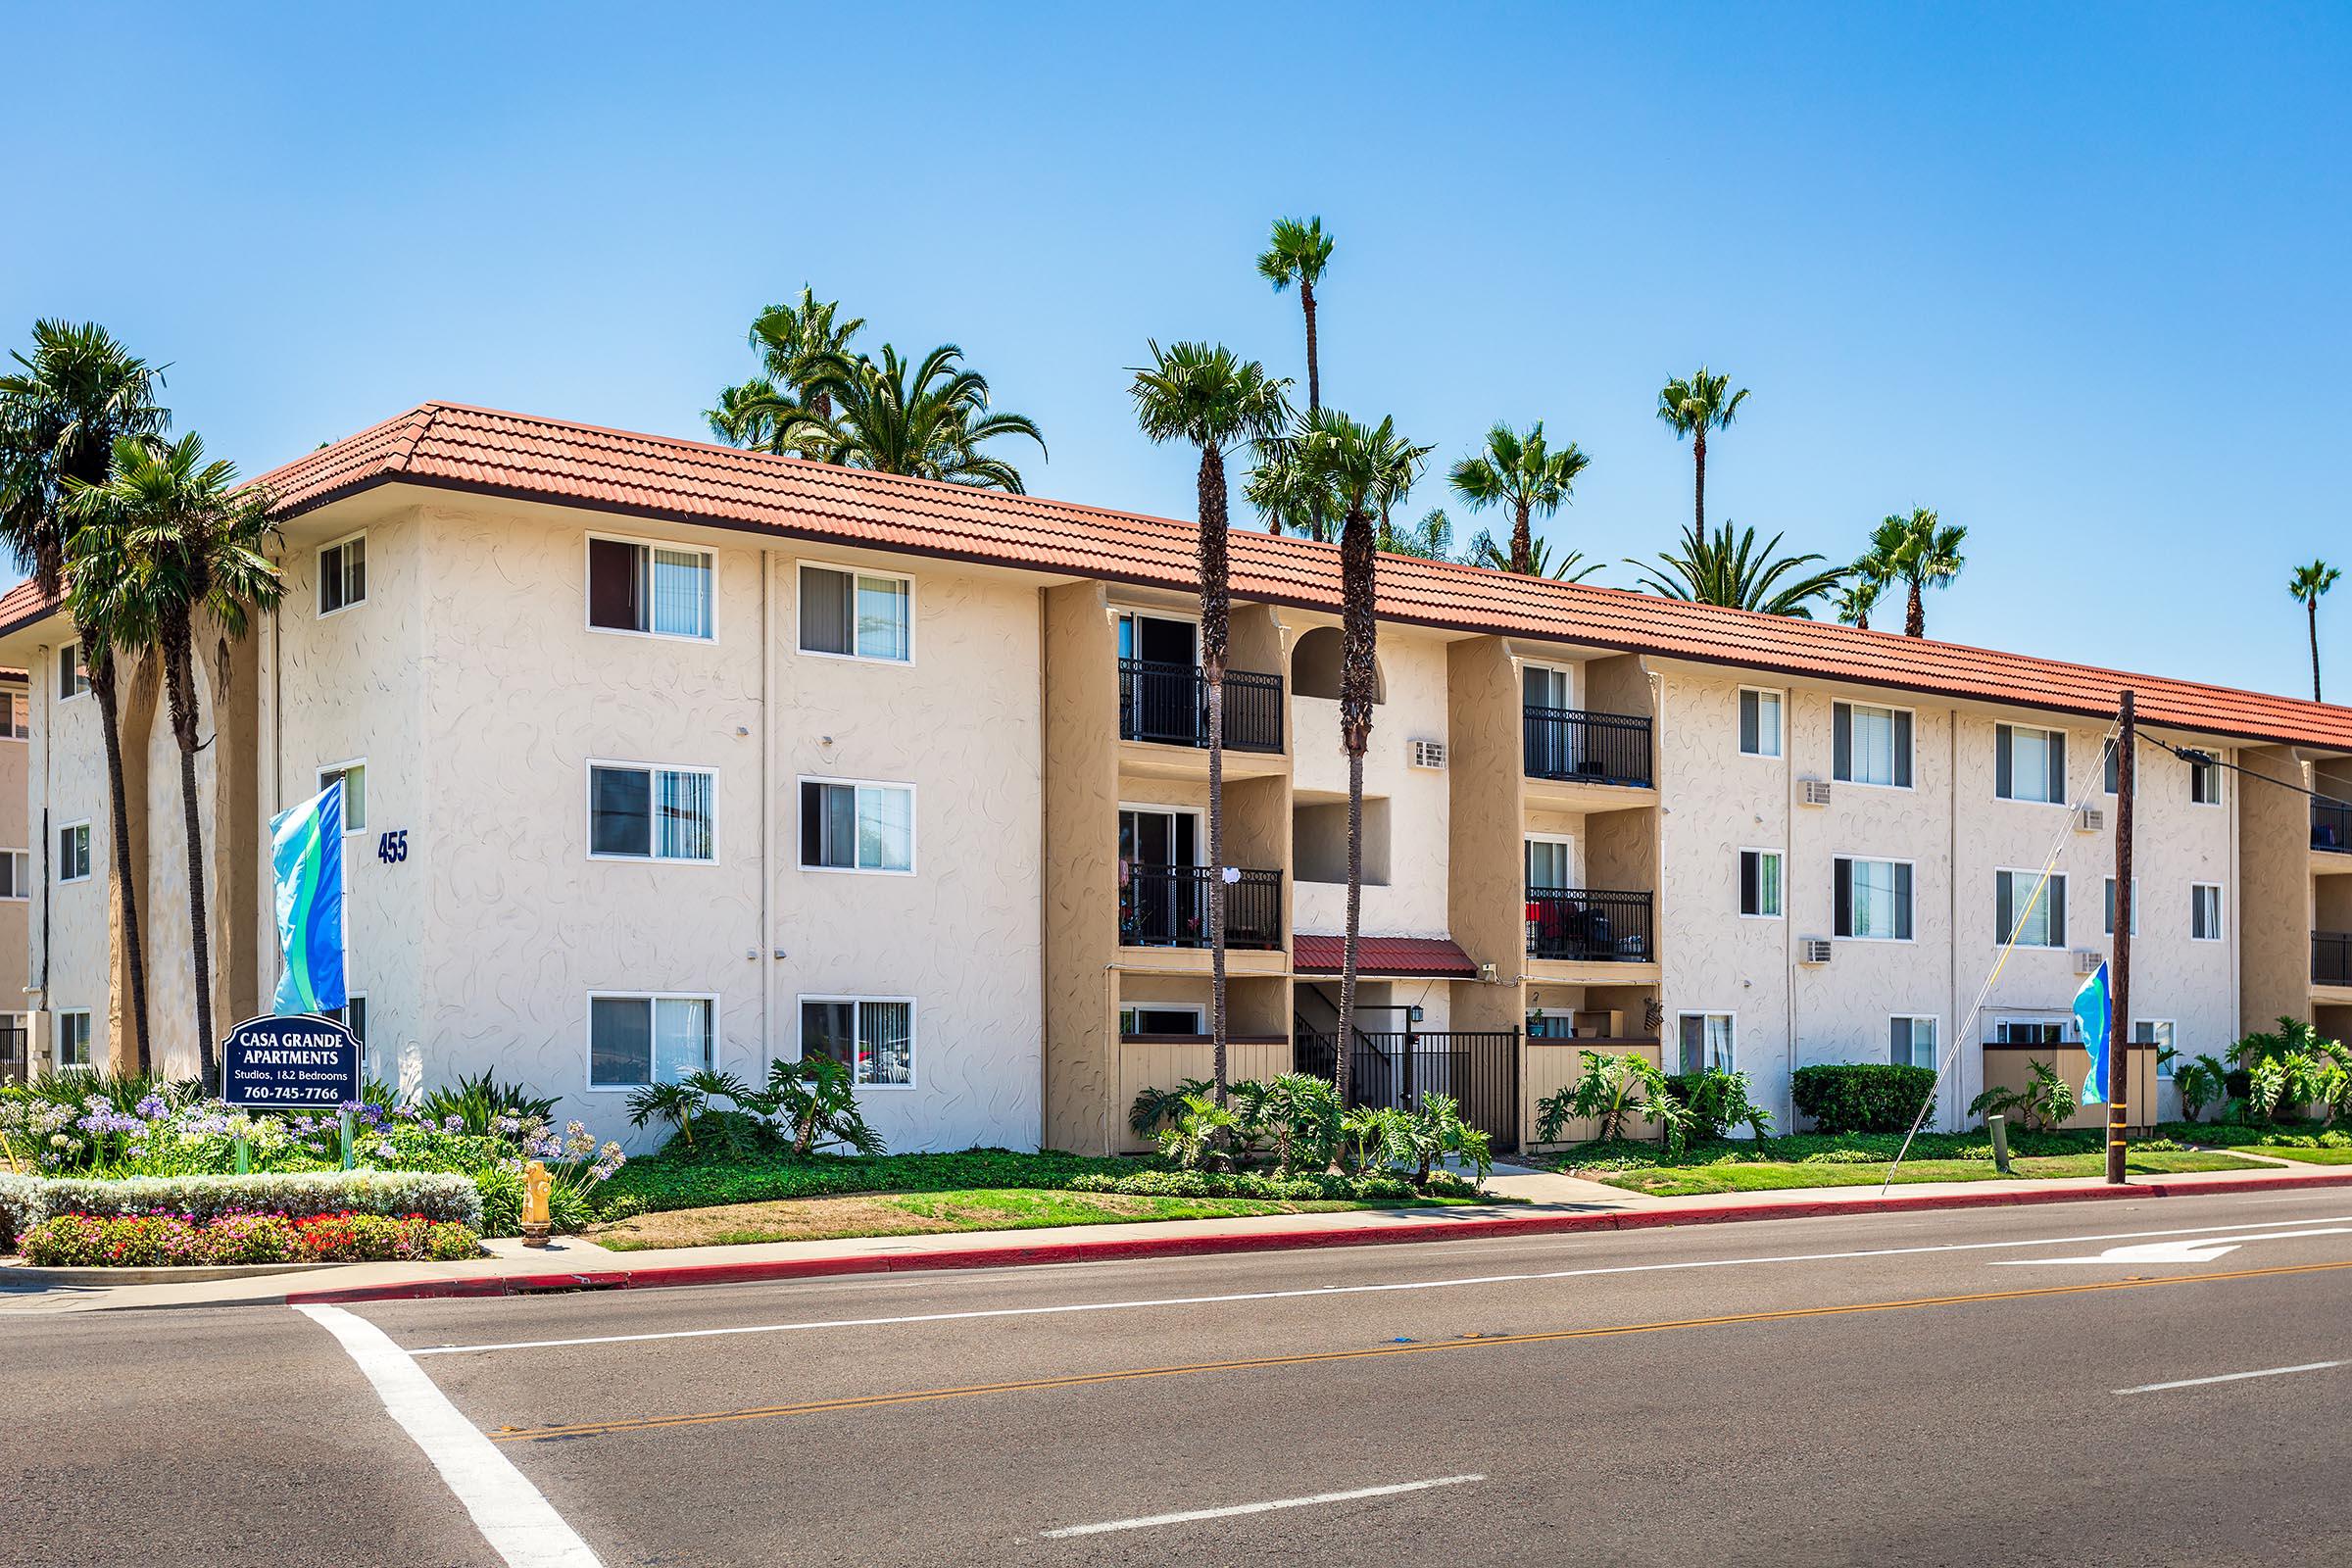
{"x":1419,"y":1230}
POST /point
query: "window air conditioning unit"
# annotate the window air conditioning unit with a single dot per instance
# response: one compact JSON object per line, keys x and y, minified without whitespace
{"x":2089,"y":959}
{"x":1817,"y":791}
{"x":1429,"y":754}
{"x":2090,"y":819}
{"x":1813,"y":950}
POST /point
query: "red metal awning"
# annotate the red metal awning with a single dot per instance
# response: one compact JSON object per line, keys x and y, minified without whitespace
{"x":1412,"y":958}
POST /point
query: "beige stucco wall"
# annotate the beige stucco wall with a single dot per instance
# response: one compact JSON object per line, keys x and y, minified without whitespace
{"x":16,"y":921}
{"x":67,"y":773}
{"x":1412,"y":900}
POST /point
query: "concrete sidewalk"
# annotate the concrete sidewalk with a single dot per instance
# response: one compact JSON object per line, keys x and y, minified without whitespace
{"x":1558,"y":1206}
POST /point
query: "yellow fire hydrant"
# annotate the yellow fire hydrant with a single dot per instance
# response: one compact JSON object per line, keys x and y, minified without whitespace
{"x":537,"y":1186}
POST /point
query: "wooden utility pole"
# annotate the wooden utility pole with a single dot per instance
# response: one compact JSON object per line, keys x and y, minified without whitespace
{"x":2118,"y":975}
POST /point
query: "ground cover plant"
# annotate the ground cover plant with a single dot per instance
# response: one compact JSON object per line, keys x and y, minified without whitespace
{"x":133,"y":1240}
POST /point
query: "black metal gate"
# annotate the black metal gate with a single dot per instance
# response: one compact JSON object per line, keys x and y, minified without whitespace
{"x":1477,"y":1068}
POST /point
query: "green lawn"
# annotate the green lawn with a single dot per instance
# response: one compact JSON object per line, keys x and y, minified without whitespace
{"x":985,"y":1208}
{"x":2309,"y":1157}
{"x":1756,"y":1176}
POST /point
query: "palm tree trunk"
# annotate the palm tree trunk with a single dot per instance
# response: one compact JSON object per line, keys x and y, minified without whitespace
{"x":100,"y":664}
{"x":1358,"y":631}
{"x":1522,"y":541}
{"x":1698,"y":489}
{"x":2312,"y":606}
{"x":1215,"y":618}
{"x":180,"y":678}
{"x":1314,"y":388}
{"x":1355,"y":912}
{"x":1915,"y":618}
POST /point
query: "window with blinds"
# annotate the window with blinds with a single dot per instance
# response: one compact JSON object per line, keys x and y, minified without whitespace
{"x":2038,"y":921}
{"x":654,"y":590}
{"x":857,"y":615}
{"x":849,"y":826}
{"x":1871,"y":745}
{"x":1759,"y":722}
{"x":652,"y":813}
{"x":2028,"y":764}
{"x":1873,"y":899}
{"x":640,"y":1039}
{"x":871,"y":1036}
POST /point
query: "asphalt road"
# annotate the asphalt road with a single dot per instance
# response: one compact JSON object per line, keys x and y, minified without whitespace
{"x":1919,"y":1388}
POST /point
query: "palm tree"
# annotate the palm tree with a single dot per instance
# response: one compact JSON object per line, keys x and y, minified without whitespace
{"x":794,"y":341}
{"x":60,"y":417}
{"x":1857,"y":596}
{"x":1720,"y":570}
{"x":1523,"y":472}
{"x":1365,"y":471}
{"x":1572,"y":566}
{"x":1297,"y":253}
{"x":1919,"y":552}
{"x":926,"y":419}
{"x":1288,"y":497}
{"x":1431,"y":539}
{"x":2308,"y":584}
{"x":1208,"y":398}
{"x":167,"y":540}
{"x":1692,"y":408}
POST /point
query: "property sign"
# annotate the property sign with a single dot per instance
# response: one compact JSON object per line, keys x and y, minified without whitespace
{"x":304,"y":1062}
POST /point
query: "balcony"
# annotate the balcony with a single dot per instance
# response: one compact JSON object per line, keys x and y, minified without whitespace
{"x":1590,"y":925}
{"x":1167,"y":907}
{"x":1168,"y":705}
{"x":1574,"y":745}
{"x":2331,"y":957}
{"x":2332,"y":827}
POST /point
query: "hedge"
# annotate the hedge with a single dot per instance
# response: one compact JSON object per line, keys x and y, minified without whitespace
{"x":1863,"y":1096}
{"x":435,"y":1195}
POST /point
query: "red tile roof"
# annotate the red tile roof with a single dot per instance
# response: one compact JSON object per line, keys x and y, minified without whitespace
{"x":485,"y":452}
{"x":1436,"y":958}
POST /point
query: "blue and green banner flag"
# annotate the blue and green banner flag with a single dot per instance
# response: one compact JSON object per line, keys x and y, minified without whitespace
{"x":2094,"y":1012}
{"x":306,"y":859}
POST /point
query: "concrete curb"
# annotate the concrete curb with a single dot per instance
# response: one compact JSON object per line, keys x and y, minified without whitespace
{"x":187,"y":1274}
{"x":1197,"y":1246}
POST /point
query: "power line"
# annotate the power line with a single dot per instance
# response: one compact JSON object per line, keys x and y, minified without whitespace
{"x":2191,"y":753}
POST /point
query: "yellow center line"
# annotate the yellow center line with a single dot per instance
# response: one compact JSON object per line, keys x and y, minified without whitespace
{"x":1079,"y":1380}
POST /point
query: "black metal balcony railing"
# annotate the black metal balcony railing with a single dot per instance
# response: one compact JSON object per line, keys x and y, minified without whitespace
{"x":1480,"y":1071}
{"x":1170,"y":704}
{"x":2331,"y":957}
{"x":1569,"y":743}
{"x":1167,"y":907}
{"x":2331,"y":826}
{"x":1590,"y":925}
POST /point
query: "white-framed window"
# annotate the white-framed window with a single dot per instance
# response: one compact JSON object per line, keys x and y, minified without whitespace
{"x":2028,"y":764}
{"x":1707,"y":1041}
{"x":2042,"y":926}
{"x":354,"y":775}
{"x":1871,"y":745}
{"x":2107,"y":922}
{"x":74,"y":1038}
{"x":650,"y":589}
{"x":2111,"y":766}
{"x":2205,"y":782}
{"x":854,"y":825}
{"x":2025,"y":1031}
{"x":637,"y":1038}
{"x":1759,"y":721}
{"x":73,"y":853}
{"x":16,"y":874}
{"x":1160,"y":1018}
{"x":2204,"y":912}
{"x":850,"y":612}
{"x":1873,"y":899}
{"x":2157,"y":1031}
{"x":1551,"y":861}
{"x":639,"y":811}
{"x":15,"y":716}
{"x":353,"y":1016}
{"x":342,"y":574}
{"x":1760,"y":884}
{"x":871,"y":1036}
{"x":71,"y":679}
{"x":1911,"y":1040}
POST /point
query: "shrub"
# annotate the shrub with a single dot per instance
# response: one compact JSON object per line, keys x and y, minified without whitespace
{"x":435,"y":1195}
{"x":368,"y":1237}
{"x":1155,"y":1106}
{"x":1862,"y":1097}
{"x":2045,"y":1101}
{"x":1718,"y":1101}
{"x":1616,"y":1089}
{"x":22,"y":1207}
{"x":167,"y":1241}
{"x":478,"y":1104}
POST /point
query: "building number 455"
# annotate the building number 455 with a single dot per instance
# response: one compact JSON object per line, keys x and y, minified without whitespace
{"x":393,"y":848}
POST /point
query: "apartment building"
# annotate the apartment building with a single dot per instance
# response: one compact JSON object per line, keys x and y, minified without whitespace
{"x":19,"y":877}
{"x":662,"y":755}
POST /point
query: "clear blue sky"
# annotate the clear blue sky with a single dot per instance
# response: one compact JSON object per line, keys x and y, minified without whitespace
{"x":2075,"y":280}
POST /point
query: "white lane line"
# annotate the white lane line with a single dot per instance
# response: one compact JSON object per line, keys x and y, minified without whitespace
{"x":520,"y":1524}
{"x":2234,"y":1377}
{"x":1063,"y":1307}
{"x":1190,"y":1515}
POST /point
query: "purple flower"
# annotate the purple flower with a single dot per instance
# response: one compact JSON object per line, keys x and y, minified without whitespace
{"x":152,"y":1107}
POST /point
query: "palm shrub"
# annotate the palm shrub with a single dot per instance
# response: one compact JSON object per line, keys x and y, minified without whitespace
{"x":477,"y":1102}
{"x":816,"y":1101}
{"x":1718,"y":1101}
{"x":677,"y":1103}
{"x":2201,"y":1082}
{"x":1300,"y":1113}
{"x":1616,"y":1089}
{"x":2046,"y":1100}
{"x":1154,"y":1107}
{"x":1199,"y":1138}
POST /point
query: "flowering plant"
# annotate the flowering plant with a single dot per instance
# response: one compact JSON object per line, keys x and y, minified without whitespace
{"x":160,"y":1239}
